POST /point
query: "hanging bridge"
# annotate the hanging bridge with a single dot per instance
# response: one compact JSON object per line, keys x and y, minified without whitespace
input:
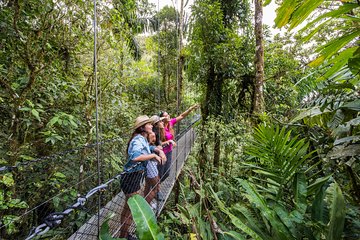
{"x":83,"y":219}
{"x":81,"y":184}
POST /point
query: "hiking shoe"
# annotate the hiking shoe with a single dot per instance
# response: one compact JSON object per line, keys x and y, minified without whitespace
{"x":154,"y":206}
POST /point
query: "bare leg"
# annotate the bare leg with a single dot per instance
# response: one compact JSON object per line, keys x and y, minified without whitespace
{"x":151,"y":188}
{"x":126,"y":217}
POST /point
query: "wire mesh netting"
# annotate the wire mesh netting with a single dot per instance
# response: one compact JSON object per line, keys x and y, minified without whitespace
{"x":70,"y":179}
{"x":90,"y":229}
{"x":50,"y":184}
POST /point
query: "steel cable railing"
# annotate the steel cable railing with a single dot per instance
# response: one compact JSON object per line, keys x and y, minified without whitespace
{"x":57,"y":223}
{"x":116,"y":205}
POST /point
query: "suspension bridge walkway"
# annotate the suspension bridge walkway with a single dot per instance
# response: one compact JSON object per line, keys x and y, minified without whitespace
{"x":52,"y":220}
{"x":64,"y":177}
{"x":90,"y":229}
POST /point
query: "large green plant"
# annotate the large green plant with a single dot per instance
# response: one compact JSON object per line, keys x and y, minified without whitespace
{"x":277,"y":157}
{"x":261,"y":218}
{"x":144,"y":218}
{"x":341,"y":18}
{"x":280,"y":199}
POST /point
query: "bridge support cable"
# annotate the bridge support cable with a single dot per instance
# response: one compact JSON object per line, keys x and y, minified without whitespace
{"x":90,"y":229}
{"x":52,"y":223}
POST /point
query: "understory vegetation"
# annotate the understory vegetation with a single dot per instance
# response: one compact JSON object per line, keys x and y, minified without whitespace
{"x":285,"y":165}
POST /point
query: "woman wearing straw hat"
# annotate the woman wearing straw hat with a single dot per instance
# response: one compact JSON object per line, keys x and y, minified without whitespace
{"x":138,"y":153}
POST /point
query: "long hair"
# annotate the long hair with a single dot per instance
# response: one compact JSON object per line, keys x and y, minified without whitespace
{"x":168,"y":125}
{"x":139,"y":130}
{"x":160,"y":133}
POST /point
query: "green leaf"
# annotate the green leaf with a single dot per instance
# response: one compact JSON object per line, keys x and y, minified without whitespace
{"x":333,"y":47}
{"x":251,"y":220}
{"x":337,"y":119}
{"x":336,"y":201}
{"x":17,"y":203}
{"x":30,"y":103}
{"x":303,"y":11}
{"x":339,"y":61}
{"x":318,"y":209}
{"x":347,"y":139}
{"x":354,"y":121}
{"x":184,"y":215}
{"x":35,"y":113}
{"x":342,"y":151}
{"x":300,"y":191}
{"x":235,"y":235}
{"x":266,"y":2}
{"x":9,"y":221}
{"x":284,"y":12}
{"x":7,"y":179}
{"x":53,"y":121}
{"x":73,"y":124}
{"x":344,"y":8}
{"x":288,"y":219}
{"x":237,"y":222}
{"x":59,"y":175}
{"x":280,"y":230}
{"x":144,"y":218}
{"x":56,"y":201}
{"x":311,"y":112}
{"x":354,"y":105}
{"x":354,"y":65}
{"x":316,"y":30}
{"x":319,"y":182}
{"x":25,"y":157}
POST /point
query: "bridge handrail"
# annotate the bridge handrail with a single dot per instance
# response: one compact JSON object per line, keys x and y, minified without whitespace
{"x":54,"y":219}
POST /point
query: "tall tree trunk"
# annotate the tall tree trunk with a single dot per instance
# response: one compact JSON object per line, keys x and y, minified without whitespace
{"x":217,"y":94}
{"x":179,"y":84}
{"x":202,"y":157}
{"x":180,"y":62}
{"x":258,"y":99}
{"x":217,"y":143}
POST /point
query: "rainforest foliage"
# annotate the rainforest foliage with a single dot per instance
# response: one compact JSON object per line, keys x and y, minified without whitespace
{"x":290,"y":170}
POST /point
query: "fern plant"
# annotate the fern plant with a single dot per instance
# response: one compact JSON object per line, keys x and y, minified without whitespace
{"x":277,"y":157}
{"x":281,"y":200}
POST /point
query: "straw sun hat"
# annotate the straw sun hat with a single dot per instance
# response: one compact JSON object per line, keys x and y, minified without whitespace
{"x":155,"y":119}
{"x":141,"y":120}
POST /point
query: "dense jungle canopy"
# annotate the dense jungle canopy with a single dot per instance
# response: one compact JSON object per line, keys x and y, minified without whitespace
{"x":277,"y":154}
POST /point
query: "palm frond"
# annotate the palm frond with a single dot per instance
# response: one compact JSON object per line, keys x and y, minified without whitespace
{"x":279,"y":155}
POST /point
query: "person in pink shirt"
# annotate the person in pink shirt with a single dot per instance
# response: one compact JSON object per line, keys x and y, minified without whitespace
{"x":167,"y":137}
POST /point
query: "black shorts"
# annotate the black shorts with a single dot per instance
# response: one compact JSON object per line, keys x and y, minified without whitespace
{"x":130,"y":182}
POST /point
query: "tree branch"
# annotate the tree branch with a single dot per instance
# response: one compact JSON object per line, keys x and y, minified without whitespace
{"x":6,"y":85}
{"x":16,"y":16}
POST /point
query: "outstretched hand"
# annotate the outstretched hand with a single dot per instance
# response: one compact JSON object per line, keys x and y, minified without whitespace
{"x":195,"y":106}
